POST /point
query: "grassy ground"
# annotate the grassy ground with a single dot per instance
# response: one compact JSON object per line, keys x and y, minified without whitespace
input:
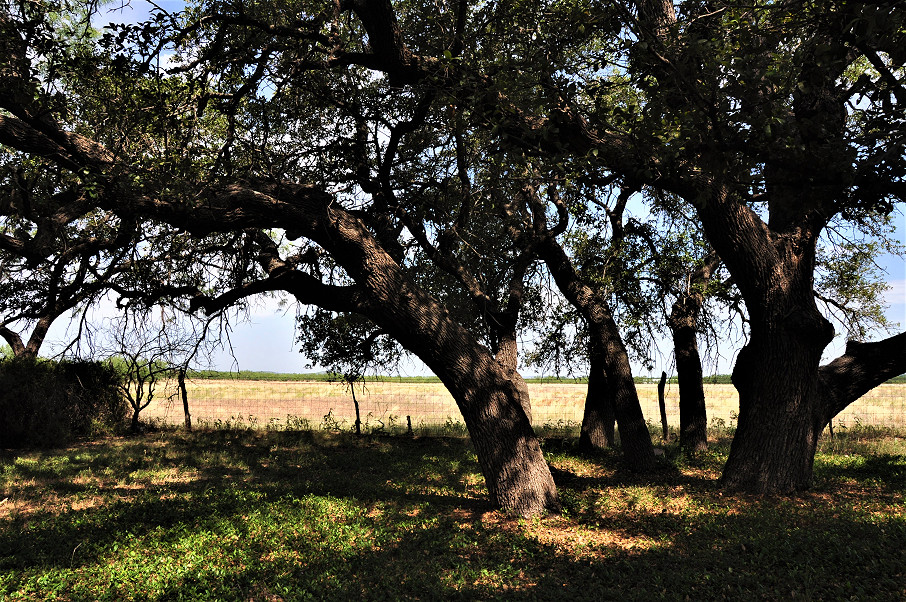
{"x":257,"y":515}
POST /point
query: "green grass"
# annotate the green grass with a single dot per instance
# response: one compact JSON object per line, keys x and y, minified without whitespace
{"x":280,"y":515}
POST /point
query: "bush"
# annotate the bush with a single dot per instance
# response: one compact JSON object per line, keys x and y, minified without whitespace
{"x":46,"y":403}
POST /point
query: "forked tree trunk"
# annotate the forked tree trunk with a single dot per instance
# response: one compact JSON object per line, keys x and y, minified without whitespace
{"x":786,"y":399}
{"x":598,"y":421}
{"x":776,"y":373}
{"x":33,"y":346}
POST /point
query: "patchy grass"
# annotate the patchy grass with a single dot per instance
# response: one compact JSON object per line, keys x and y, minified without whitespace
{"x":256,"y":515}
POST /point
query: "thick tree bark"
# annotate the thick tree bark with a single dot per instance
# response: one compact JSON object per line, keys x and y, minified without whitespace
{"x":508,"y":356}
{"x":780,"y":416}
{"x":599,"y":419}
{"x":776,"y":373}
{"x":490,"y":399}
{"x":785,"y":399}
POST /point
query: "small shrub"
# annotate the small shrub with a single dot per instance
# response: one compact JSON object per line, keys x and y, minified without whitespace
{"x":46,"y":403}
{"x":297,"y":423}
{"x":454,"y":428}
{"x":330,"y":423}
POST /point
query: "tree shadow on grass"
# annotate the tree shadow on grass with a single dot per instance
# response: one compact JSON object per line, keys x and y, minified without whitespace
{"x":436,"y":557}
{"x":887,"y":471}
{"x":294,"y":518}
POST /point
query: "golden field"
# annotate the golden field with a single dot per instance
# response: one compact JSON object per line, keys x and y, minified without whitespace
{"x":429,"y":404}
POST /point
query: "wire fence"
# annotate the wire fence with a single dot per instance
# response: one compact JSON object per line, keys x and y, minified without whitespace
{"x":400,"y":406}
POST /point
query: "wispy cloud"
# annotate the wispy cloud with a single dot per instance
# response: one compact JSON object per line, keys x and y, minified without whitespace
{"x":896,"y":293}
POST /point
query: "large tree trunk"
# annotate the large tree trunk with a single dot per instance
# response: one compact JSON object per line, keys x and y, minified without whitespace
{"x":780,"y":408}
{"x":598,"y":420}
{"x":776,"y":373}
{"x":487,"y":393}
{"x":785,"y":398}
{"x":515,"y":471}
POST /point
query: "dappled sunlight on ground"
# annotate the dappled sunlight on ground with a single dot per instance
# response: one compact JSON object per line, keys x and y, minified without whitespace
{"x":279,"y":516}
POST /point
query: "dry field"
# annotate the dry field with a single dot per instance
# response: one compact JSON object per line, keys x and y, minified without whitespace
{"x":429,"y":404}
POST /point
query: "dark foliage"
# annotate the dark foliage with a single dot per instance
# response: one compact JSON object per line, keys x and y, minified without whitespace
{"x":47,"y":404}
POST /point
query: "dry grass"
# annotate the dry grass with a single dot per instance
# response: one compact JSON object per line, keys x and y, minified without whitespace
{"x":386,"y":405}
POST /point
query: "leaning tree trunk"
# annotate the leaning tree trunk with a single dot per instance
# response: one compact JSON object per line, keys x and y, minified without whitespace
{"x":598,"y":420}
{"x":863,"y":367}
{"x":507,"y":354}
{"x":487,"y":393}
{"x":515,"y":471}
{"x":635,"y":440}
{"x":490,"y":399}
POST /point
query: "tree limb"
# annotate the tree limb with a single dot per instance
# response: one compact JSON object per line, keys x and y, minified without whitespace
{"x":863,"y":367}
